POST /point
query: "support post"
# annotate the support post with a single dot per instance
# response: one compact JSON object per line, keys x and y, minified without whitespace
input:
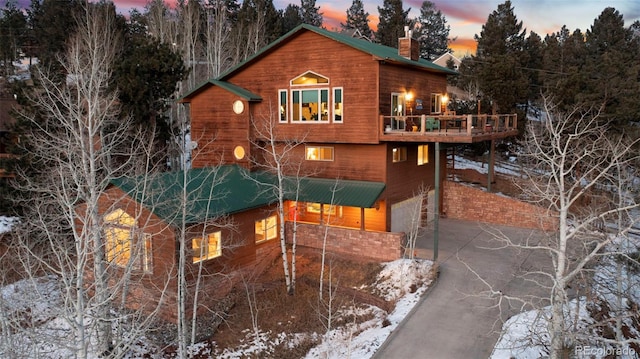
{"x":492,"y":154}
{"x":436,"y":206}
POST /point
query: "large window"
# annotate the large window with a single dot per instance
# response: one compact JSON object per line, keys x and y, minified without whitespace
{"x":266,"y":229}
{"x":399,"y":154}
{"x":398,"y":106}
{"x":206,"y":247}
{"x":423,"y":154}
{"x":311,"y":105}
{"x":125,"y":245}
{"x":311,"y":100}
{"x":319,"y":153}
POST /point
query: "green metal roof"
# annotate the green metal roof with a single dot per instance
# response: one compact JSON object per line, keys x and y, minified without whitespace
{"x":210,"y":192}
{"x":340,"y":192}
{"x":383,"y":52}
{"x":240,"y":91}
{"x":217,"y":191}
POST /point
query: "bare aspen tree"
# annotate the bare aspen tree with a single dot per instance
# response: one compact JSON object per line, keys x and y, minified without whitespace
{"x":334,"y":189}
{"x":576,"y":167}
{"x":277,"y":155}
{"x":417,"y":221}
{"x":218,"y":54}
{"x":78,"y":142}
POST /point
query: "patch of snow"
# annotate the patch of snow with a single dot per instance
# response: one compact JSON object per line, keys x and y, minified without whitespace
{"x":6,"y":223}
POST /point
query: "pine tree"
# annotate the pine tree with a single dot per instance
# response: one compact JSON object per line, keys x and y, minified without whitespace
{"x":498,"y":59}
{"x":563,"y":58}
{"x":533,"y":64}
{"x":358,"y":19}
{"x":393,"y":19}
{"x":52,"y":23}
{"x":291,"y":18}
{"x":13,"y":27}
{"x":432,"y":32}
{"x":310,"y":13}
{"x":612,"y":62}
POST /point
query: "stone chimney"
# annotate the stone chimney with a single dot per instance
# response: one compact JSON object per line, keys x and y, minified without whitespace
{"x":408,"y":47}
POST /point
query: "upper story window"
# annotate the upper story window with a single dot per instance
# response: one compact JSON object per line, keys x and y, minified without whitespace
{"x":125,"y":245}
{"x":310,"y":99}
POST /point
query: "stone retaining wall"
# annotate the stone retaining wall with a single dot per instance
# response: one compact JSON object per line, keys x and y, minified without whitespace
{"x":473,"y":204}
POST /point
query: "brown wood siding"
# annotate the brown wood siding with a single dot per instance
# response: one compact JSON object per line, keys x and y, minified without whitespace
{"x":217,"y":129}
{"x":351,"y":162}
{"x":420,"y":83}
{"x":406,"y":177}
{"x":345,"y":67}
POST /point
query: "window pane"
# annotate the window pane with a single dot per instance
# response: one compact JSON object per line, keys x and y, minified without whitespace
{"x":283,"y":106}
{"x":435,"y":103}
{"x":399,"y":154}
{"x":272,"y":227}
{"x":266,"y":229}
{"x":423,"y":154}
{"x":118,"y":245}
{"x":337,"y":105}
{"x":206,"y":248}
{"x":318,"y":153}
{"x":296,"y":106}
{"x":324,"y":105}
{"x":310,"y":105}
{"x":147,"y":254}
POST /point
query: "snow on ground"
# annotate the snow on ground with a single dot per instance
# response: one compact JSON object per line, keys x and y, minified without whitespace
{"x":510,"y":168}
{"x":6,"y":223}
{"x":395,"y":283}
{"x":403,"y":281}
{"x":525,"y":335}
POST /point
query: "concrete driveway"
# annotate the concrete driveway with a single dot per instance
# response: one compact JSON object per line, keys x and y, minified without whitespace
{"x":456,"y":318}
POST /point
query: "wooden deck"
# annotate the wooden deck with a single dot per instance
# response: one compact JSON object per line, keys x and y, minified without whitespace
{"x":448,"y":129}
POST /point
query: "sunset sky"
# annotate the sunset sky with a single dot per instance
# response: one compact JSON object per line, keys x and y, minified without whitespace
{"x":466,"y":17}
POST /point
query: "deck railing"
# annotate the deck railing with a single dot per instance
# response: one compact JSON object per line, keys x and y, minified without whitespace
{"x":463,"y":124}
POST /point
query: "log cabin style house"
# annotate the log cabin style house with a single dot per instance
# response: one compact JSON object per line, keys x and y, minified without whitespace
{"x":362,"y":125}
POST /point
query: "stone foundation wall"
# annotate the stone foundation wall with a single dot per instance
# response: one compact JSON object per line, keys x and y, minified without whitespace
{"x":382,"y":246}
{"x":473,"y":204}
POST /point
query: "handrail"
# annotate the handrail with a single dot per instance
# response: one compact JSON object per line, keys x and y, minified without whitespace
{"x":469,"y":124}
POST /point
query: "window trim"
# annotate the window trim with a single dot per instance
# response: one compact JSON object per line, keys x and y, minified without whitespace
{"x":318,"y":149}
{"x":266,"y":235}
{"x":436,"y":103}
{"x":201,"y":257}
{"x":333,"y":104}
{"x":283,"y":108}
{"x":319,"y":92}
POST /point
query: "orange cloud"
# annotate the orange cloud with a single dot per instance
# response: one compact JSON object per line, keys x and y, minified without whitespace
{"x":464,"y":47}
{"x":332,"y":18}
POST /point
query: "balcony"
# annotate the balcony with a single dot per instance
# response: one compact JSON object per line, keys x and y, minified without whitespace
{"x":448,"y":128}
